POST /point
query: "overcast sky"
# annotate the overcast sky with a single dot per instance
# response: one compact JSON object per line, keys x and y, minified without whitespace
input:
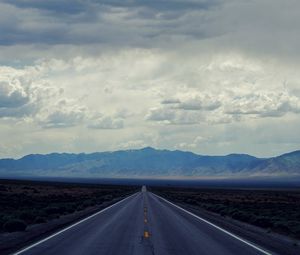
{"x":209,"y":76}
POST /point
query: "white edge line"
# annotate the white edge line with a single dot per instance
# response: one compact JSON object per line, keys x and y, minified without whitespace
{"x":73,"y":225}
{"x":219,"y":228}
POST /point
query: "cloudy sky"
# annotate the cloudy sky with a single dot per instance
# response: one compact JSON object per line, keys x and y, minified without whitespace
{"x":208,"y":76}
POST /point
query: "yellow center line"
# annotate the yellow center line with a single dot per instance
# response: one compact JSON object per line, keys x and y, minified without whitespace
{"x":146,"y":234}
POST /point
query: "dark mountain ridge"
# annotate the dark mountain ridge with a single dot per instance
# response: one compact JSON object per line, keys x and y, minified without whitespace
{"x":149,"y":162}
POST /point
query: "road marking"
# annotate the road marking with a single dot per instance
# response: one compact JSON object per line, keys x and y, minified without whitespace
{"x":73,"y":225}
{"x":145,"y":220}
{"x":219,"y":228}
{"x":146,"y":234}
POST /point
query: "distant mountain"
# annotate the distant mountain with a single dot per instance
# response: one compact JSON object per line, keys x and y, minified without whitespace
{"x":149,"y":162}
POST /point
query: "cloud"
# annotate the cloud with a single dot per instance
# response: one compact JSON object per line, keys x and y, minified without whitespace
{"x":44,"y":92}
{"x":228,"y":106}
{"x":171,"y":101}
{"x":79,"y":6}
{"x":60,"y":119}
{"x":187,"y":25}
{"x":21,"y":92}
{"x":54,"y":6}
{"x":200,"y":101}
{"x":106,"y":122}
{"x":172,"y":116}
{"x":65,"y":113}
{"x":12,"y":94}
{"x":263,"y":104}
{"x":116,"y":23}
{"x":175,"y":69}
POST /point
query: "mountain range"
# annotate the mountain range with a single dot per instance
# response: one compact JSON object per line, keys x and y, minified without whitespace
{"x":149,"y":162}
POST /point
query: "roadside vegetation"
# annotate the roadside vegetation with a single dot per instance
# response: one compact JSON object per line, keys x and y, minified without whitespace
{"x":23,"y":203}
{"x":275,"y":210}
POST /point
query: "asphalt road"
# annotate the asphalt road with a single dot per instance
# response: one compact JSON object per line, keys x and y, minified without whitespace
{"x":143,"y":224}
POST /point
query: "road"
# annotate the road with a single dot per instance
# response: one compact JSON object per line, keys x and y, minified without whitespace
{"x":143,"y":224}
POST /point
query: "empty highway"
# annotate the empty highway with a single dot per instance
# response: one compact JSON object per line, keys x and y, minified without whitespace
{"x":142,"y":224}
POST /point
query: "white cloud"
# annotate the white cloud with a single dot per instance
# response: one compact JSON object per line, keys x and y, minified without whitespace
{"x":64,"y":114}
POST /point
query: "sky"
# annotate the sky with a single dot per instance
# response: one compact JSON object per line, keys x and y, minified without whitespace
{"x":209,"y":76}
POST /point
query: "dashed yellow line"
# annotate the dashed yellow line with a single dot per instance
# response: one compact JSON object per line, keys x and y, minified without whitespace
{"x":146,"y":234}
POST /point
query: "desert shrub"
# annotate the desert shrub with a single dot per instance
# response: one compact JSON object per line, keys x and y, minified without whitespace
{"x":71,"y":208}
{"x":39,"y":220}
{"x":14,"y":225}
{"x":190,"y":201}
{"x":27,"y":216}
{"x":52,"y":210}
{"x":219,"y":208}
{"x":62,"y":209}
{"x":297,"y":232}
{"x":87,"y":203}
{"x":2,"y":221}
{"x":242,"y":216}
{"x":3,"y":188}
{"x":281,"y":226}
{"x":80,"y":207}
{"x":35,"y":191}
{"x":108,"y":198}
{"x":263,"y":222}
{"x":230,"y":210}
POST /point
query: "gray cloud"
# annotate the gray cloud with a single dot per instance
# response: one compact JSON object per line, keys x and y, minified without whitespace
{"x":183,"y":71}
{"x":54,"y":6}
{"x":226,"y":107}
{"x":106,"y":122}
{"x":266,"y":104}
{"x":19,"y":95}
{"x":63,"y":115}
{"x":78,"y":6}
{"x":201,"y":102}
{"x":174,"y":117}
{"x":225,"y":24}
{"x":171,"y":101}
{"x":111,"y":22}
{"x":12,"y":94}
